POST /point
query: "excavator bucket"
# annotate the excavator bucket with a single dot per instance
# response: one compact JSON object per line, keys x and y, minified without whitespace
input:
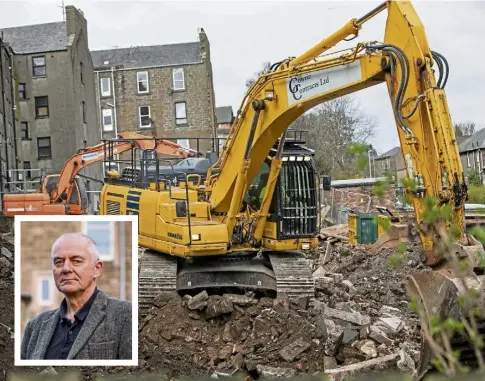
{"x":392,"y":237}
{"x":437,"y":293}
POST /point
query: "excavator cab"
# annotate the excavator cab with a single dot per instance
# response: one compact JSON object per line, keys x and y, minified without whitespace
{"x":78,"y":201}
{"x":294,"y":206}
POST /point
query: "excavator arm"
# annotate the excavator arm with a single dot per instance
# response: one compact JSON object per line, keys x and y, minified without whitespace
{"x":403,"y":61}
{"x":91,"y":155}
{"x":57,"y":200}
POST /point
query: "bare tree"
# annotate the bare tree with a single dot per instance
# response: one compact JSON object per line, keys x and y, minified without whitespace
{"x":264,"y":69}
{"x":465,"y":128}
{"x":332,"y":127}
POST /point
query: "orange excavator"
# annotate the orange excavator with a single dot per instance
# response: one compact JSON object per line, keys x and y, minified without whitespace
{"x":63,"y":193}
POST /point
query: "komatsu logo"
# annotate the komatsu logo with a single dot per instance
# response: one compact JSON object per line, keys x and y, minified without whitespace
{"x":322,"y":81}
{"x":90,"y":156}
{"x":175,"y":235}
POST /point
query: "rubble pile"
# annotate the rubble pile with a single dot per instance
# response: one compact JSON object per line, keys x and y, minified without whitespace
{"x":358,"y":324}
{"x":7,"y":303}
{"x":346,"y":330}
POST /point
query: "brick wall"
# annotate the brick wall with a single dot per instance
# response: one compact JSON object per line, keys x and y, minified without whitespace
{"x":358,"y":197}
{"x":36,"y":242}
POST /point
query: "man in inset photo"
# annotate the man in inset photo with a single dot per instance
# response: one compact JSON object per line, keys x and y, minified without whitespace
{"x":88,"y":324}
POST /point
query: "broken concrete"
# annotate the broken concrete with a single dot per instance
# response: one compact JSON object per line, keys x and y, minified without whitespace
{"x":291,"y":351}
{"x":217,"y":305}
{"x":379,"y":363}
{"x":351,"y":317}
{"x":199,"y":301}
{"x":269,"y":371}
{"x":379,"y":336}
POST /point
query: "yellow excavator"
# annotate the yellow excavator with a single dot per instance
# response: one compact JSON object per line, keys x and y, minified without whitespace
{"x":218,"y":235}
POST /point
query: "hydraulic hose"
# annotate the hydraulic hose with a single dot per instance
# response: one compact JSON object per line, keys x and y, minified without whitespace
{"x":441,"y":60}
{"x":440,"y":67}
{"x":404,"y":65}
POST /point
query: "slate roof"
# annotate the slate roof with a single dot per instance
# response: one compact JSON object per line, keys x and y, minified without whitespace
{"x":391,"y":153}
{"x":148,"y":56}
{"x":477,"y":140}
{"x":37,"y":38}
{"x":224,"y":114}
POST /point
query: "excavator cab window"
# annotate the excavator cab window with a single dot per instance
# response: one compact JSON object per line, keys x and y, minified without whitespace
{"x":51,"y":182}
{"x":255,"y":192}
{"x":80,"y":192}
{"x":296,"y":198}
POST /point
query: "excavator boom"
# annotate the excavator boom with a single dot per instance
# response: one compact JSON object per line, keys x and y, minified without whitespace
{"x":403,"y":61}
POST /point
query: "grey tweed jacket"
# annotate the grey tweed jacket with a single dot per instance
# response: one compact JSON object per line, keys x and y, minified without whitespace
{"x":105,"y":335}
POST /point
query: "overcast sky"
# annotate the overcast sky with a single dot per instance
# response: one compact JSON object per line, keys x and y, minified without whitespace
{"x":245,"y":34}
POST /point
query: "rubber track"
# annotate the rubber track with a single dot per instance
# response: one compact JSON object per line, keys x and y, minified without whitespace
{"x":294,"y":276}
{"x":158,"y":273}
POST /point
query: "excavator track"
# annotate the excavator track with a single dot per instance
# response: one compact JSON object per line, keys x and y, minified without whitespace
{"x":293,"y":274}
{"x":157,"y":273}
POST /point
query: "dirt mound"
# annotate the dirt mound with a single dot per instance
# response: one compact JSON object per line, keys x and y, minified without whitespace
{"x":203,"y":334}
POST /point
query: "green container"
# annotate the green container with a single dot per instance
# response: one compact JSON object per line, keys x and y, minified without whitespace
{"x":367,"y":228}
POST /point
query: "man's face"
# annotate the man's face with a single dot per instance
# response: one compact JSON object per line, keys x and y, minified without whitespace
{"x":73,"y":266}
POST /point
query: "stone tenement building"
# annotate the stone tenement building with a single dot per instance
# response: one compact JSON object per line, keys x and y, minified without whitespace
{"x":56,"y":102}
{"x":165,"y":91}
{"x":8,"y":148}
{"x":38,"y":290}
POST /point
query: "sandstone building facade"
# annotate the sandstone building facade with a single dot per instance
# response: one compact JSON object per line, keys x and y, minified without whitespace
{"x":164,"y":91}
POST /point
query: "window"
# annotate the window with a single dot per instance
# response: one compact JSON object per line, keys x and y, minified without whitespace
{"x":24,"y":130}
{"x":145,"y":118}
{"x":184,"y":143}
{"x":41,"y":107}
{"x":22,"y":93}
{"x":178,"y":79}
{"x":83,"y":111}
{"x":46,"y":291}
{"x":105,"y":87}
{"x":27,"y":168}
{"x":103,"y":233}
{"x":38,"y":65}
{"x":44,"y":148}
{"x":81,"y":69}
{"x":107,"y":119}
{"x":180,"y":113}
{"x":142,"y":79}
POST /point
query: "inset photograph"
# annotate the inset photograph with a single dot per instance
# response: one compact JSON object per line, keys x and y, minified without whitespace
{"x":76,"y":290}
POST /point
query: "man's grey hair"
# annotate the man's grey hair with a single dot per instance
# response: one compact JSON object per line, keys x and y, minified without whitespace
{"x":92,"y":247}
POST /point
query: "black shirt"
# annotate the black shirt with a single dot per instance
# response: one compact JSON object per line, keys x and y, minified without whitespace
{"x":66,"y":331}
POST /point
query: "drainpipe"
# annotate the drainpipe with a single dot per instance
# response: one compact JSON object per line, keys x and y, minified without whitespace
{"x":14,"y":116}
{"x":5,"y":142}
{"x":114,"y":102}
{"x":115,"y":120}
{"x":122,"y":251}
{"x":99,"y":104}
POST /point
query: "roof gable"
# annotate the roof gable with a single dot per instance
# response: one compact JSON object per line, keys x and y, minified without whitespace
{"x":148,"y":56}
{"x":391,"y":153}
{"x":224,"y":114}
{"x":37,"y":38}
{"x":477,"y":140}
